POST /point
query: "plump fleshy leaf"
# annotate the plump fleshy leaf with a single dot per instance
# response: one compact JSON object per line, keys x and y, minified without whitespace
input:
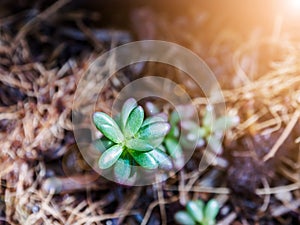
{"x":110,"y":156}
{"x":144,"y":159}
{"x":122,"y":169}
{"x":155,"y":142}
{"x":173,"y":147}
{"x":208,"y":118}
{"x":195,"y":211}
{"x":175,"y":132}
{"x":209,"y":222}
{"x":211,"y":210}
{"x":200,"y":204}
{"x":138,"y":145}
{"x":154,"y":130}
{"x":108,"y":127}
{"x":117,"y":119}
{"x":162,"y":117}
{"x":215,"y":145}
{"x":151,"y":109}
{"x":162,"y":159}
{"x":102,"y":144}
{"x":134,"y":121}
{"x":184,"y":218}
{"x":174,"y":118}
{"x":225,"y":122}
{"x":189,"y":125}
{"x":127,"y":108}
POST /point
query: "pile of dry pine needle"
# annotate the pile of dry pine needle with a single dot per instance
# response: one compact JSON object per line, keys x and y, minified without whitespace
{"x":37,"y":87}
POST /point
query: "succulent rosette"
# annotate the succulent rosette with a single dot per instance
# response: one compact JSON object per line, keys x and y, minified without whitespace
{"x":131,"y":140}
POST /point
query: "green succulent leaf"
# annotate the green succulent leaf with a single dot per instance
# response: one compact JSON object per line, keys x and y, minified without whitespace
{"x":162,"y":117}
{"x":134,"y":121}
{"x":144,"y":159}
{"x":162,"y":159}
{"x":195,"y":211}
{"x":173,"y":147}
{"x":155,"y":142}
{"x":184,"y":218}
{"x":108,"y":127}
{"x":154,"y":130}
{"x":208,"y":118}
{"x":215,"y":145}
{"x":103,"y":144}
{"x":122,"y":169}
{"x":189,"y":125}
{"x":127,"y":108}
{"x":211,"y":210}
{"x":200,"y":204}
{"x":174,"y":118}
{"x":174,"y":132}
{"x":225,"y":122}
{"x":209,"y":222}
{"x":138,"y":145}
{"x":110,"y":156}
{"x":117,"y":119}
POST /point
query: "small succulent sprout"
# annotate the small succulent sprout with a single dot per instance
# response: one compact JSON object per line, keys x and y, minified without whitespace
{"x":198,"y":213}
{"x":131,"y":140}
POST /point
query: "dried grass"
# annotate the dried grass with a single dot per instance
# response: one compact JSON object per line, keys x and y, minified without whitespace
{"x":266,"y":100}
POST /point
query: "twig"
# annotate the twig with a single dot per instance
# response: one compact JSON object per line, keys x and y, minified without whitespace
{"x":228,"y":219}
{"x":129,"y":203}
{"x":281,"y":189}
{"x":161,"y":199}
{"x":153,"y":205}
{"x":43,"y":15}
{"x":283,"y":136}
{"x":267,"y":198}
{"x":284,"y":209}
{"x":221,"y":190}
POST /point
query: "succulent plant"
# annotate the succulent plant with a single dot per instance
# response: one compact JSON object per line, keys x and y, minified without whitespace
{"x":210,"y":130}
{"x":131,"y":140}
{"x":198,"y":213}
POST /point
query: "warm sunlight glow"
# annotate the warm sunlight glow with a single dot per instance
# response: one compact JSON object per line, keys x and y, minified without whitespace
{"x":294,"y":4}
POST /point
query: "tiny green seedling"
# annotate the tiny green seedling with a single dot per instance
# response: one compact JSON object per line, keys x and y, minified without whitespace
{"x":210,"y":130}
{"x":131,"y":140}
{"x":198,"y":213}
